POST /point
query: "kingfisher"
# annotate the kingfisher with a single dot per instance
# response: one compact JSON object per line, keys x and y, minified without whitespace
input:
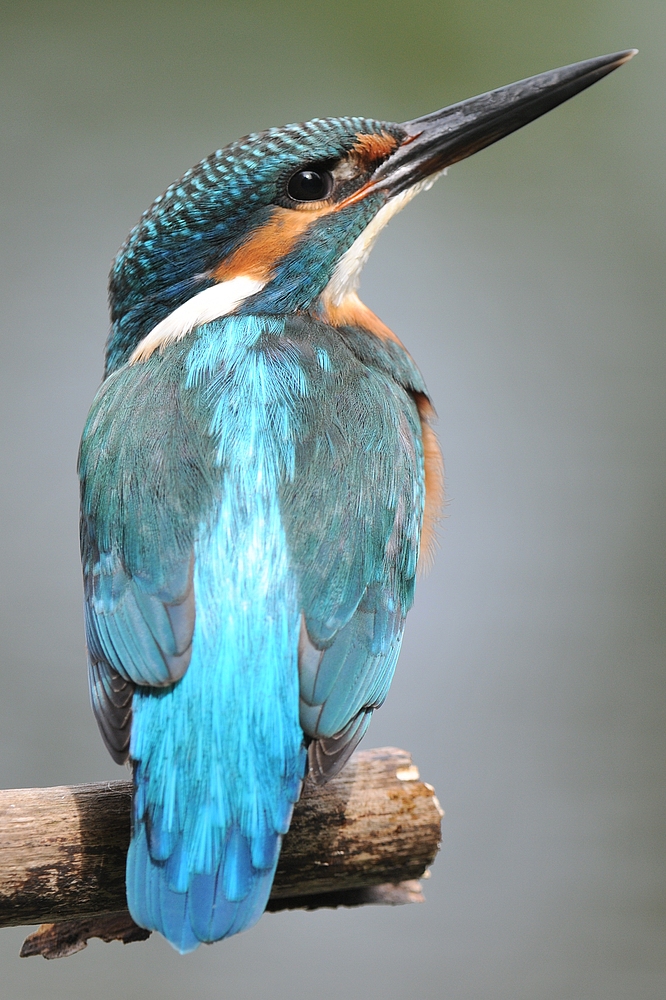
{"x":259,"y":478}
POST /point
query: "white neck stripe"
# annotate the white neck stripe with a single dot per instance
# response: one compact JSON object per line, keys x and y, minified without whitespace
{"x":207,"y":305}
{"x":346,"y":276}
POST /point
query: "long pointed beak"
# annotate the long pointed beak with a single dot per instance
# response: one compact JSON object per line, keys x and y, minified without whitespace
{"x":439,"y":139}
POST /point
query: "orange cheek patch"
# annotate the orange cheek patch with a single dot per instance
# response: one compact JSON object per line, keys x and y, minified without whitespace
{"x":434,"y":479}
{"x":352,"y":312}
{"x":367,"y":153}
{"x":372,"y":149}
{"x":257,"y":257}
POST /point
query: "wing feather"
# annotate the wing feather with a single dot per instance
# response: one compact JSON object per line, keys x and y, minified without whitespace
{"x":111,"y":696}
{"x":145,"y":479}
{"x":327,"y":756}
{"x":353,"y":514}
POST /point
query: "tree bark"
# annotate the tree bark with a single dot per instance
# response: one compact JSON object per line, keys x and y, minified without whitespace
{"x":356,"y":840}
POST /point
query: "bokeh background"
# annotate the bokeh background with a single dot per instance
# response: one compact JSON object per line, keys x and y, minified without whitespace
{"x":529,"y":285}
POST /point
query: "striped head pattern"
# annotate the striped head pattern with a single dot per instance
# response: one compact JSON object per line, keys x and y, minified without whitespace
{"x":259,"y":226}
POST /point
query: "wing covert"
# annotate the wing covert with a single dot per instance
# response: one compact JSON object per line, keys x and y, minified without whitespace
{"x":145,"y":480}
{"x":353,"y":512}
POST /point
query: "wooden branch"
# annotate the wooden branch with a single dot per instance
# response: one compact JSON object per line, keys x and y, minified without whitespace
{"x":353,"y":841}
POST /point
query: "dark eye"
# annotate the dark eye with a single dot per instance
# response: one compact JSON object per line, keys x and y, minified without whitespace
{"x":309,"y":185}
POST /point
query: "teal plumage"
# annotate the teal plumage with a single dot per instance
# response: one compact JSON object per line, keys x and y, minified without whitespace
{"x":256,"y":471}
{"x":289,"y":472}
{"x":202,"y":218}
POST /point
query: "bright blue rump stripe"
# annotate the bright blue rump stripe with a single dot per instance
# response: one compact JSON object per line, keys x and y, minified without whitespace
{"x":219,"y":755}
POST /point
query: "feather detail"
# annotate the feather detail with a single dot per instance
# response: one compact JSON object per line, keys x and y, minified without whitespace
{"x":250,"y":548}
{"x":111,"y":697}
{"x":435,"y":490}
{"x":141,"y":635}
{"x":219,"y":756}
{"x":328,"y":755}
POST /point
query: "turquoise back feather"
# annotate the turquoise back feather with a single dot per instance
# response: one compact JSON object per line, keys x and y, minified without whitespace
{"x":251,"y":508}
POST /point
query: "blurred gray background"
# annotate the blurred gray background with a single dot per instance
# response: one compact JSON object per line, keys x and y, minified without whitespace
{"x":529,"y":285}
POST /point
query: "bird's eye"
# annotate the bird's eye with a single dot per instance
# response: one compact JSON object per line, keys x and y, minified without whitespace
{"x":309,"y":185}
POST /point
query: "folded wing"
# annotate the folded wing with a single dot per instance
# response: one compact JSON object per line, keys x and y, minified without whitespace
{"x":144,"y":482}
{"x":353,"y":514}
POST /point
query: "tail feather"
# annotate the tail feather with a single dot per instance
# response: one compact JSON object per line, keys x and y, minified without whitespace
{"x":174,"y":917}
{"x":238,"y":871}
{"x":151,"y":902}
{"x":211,"y":906}
{"x":219,"y":756}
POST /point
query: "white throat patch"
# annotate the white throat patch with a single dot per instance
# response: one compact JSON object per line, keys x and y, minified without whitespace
{"x":224,"y":297}
{"x":211,"y":303}
{"x":347,"y":274}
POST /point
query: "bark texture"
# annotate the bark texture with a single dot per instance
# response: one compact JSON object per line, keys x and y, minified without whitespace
{"x":363,"y":838}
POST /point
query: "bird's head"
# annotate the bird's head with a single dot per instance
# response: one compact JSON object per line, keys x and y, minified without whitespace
{"x":282,"y":221}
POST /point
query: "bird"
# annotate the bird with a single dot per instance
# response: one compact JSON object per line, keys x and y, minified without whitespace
{"x":260,"y":479}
